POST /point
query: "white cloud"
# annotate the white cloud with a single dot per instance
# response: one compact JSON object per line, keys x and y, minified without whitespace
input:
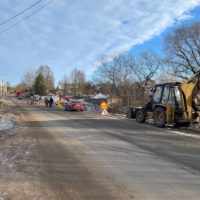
{"x":75,"y":33}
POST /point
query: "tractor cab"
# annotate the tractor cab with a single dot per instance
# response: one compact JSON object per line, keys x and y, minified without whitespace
{"x":165,"y":93}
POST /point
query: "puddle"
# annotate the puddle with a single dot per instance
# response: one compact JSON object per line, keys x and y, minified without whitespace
{"x":5,"y":124}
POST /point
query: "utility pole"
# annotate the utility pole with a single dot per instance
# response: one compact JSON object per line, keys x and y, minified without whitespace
{"x":2,"y":87}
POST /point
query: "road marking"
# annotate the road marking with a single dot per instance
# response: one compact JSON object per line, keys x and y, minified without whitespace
{"x":87,"y":136}
{"x":186,"y":134}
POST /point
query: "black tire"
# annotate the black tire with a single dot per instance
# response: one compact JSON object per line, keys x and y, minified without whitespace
{"x":141,"y":116}
{"x":159,"y":116}
{"x":182,"y":124}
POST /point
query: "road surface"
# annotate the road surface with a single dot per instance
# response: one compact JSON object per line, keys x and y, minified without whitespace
{"x":53,"y":154}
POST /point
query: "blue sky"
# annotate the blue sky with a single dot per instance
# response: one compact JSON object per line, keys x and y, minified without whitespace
{"x":156,"y":43}
{"x":75,"y":33}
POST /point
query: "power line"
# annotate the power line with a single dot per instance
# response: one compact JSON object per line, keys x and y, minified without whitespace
{"x":28,"y":16}
{"x":8,"y":10}
{"x":20,"y":13}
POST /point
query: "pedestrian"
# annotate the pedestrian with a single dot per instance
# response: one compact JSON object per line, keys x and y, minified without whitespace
{"x":46,"y":101}
{"x":50,"y":102}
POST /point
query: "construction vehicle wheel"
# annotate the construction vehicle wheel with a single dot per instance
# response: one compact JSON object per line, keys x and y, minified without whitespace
{"x":182,"y":124}
{"x":159,"y":116}
{"x":187,"y":124}
{"x":141,"y":116}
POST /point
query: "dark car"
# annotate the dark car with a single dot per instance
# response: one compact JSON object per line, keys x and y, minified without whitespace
{"x":74,"y":105}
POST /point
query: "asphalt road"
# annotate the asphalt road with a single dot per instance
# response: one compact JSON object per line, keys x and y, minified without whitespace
{"x":54,"y":155}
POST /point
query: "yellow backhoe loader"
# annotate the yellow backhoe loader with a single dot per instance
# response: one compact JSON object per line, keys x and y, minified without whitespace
{"x":172,"y":103}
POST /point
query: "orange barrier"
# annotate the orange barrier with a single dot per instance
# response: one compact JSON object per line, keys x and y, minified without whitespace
{"x":38,"y":103}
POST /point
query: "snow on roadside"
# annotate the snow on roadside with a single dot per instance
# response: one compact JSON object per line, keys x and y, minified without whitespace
{"x":5,"y":124}
{"x":4,"y":196}
{"x":6,"y":117}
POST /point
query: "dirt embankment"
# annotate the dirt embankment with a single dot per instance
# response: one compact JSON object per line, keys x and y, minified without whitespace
{"x":9,"y":110}
{"x":9,"y":119}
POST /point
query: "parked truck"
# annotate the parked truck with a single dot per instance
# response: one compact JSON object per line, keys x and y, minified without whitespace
{"x":19,"y":94}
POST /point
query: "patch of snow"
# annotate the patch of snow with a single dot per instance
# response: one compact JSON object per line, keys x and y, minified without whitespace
{"x":5,"y":124}
{"x":81,"y":100}
{"x":100,"y":96}
{"x":185,"y":134}
{"x":4,"y":196}
{"x":116,"y":116}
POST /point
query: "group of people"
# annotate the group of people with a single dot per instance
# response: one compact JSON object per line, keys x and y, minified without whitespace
{"x":49,"y":102}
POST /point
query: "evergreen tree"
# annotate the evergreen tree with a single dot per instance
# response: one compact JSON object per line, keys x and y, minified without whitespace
{"x":46,"y":71}
{"x":40,"y":85}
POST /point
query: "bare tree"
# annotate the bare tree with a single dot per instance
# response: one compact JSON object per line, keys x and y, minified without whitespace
{"x":9,"y":87}
{"x":21,"y":87}
{"x":126,"y":77}
{"x":145,"y":67}
{"x":114,"y":76}
{"x":48,"y":75}
{"x":183,"y":50}
{"x":114,"y":71}
{"x":166,"y":76}
{"x":65,"y":84}
{"x":89,"y":88}
{"x":78,"y":81}
{"x":29,"y":78}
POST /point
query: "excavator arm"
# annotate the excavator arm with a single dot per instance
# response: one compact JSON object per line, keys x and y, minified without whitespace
{"x":190,"y":89}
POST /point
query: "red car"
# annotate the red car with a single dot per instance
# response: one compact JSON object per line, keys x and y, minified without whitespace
{"x":74,"y":105}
